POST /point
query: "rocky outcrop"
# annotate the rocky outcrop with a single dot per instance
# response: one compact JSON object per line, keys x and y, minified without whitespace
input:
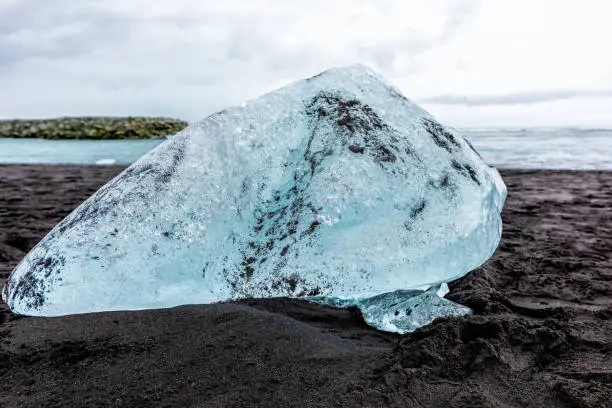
{"x":92,"y":128}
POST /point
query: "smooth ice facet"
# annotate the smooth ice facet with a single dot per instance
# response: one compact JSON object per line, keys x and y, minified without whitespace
{"x":335,"y":186}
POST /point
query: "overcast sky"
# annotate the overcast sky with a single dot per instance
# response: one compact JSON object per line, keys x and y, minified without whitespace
{"x":470,"y":63}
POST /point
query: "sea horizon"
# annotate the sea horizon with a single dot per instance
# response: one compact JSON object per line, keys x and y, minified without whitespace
{"x":519,"y":147}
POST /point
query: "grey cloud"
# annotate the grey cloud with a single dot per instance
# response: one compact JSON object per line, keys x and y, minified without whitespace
{"x":114,"y":57}
{"x":35,"y":29}
{"x":525,"y":98}
{"x":414,"y":43}
{"x":460,"y":14}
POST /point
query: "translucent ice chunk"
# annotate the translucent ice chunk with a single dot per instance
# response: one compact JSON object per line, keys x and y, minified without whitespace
{"x":401,"y":311}
{"x":335,"y":186}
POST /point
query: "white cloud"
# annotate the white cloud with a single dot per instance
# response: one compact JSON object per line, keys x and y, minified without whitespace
{"x":189,"y":58}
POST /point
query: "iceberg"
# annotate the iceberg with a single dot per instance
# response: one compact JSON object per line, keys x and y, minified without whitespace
{"x":337,"y":189}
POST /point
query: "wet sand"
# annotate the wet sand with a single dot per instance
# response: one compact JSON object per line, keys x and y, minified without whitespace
{"x":541,"y":335}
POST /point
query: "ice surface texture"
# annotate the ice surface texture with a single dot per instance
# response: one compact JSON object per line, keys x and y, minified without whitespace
{"x":335,"y":187}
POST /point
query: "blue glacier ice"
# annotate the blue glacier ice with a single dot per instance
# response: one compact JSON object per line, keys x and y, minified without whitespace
{"x":335,"y":188}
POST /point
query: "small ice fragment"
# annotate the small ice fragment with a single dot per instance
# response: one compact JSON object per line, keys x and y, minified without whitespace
{"x":443,"y":290}
{"x":106,"y":162}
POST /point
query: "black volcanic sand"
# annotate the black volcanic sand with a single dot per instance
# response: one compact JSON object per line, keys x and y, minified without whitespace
{"x":541,"y":335}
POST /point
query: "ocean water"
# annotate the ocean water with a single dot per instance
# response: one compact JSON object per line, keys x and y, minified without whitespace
{"x":33,"y":151}
{"x":560,"y":148}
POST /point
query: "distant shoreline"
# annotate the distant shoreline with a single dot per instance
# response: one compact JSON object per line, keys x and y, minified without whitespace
{"x":91,"y":128}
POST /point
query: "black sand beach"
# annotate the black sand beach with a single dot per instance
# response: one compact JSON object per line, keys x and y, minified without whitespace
{"x":541,"y":335}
